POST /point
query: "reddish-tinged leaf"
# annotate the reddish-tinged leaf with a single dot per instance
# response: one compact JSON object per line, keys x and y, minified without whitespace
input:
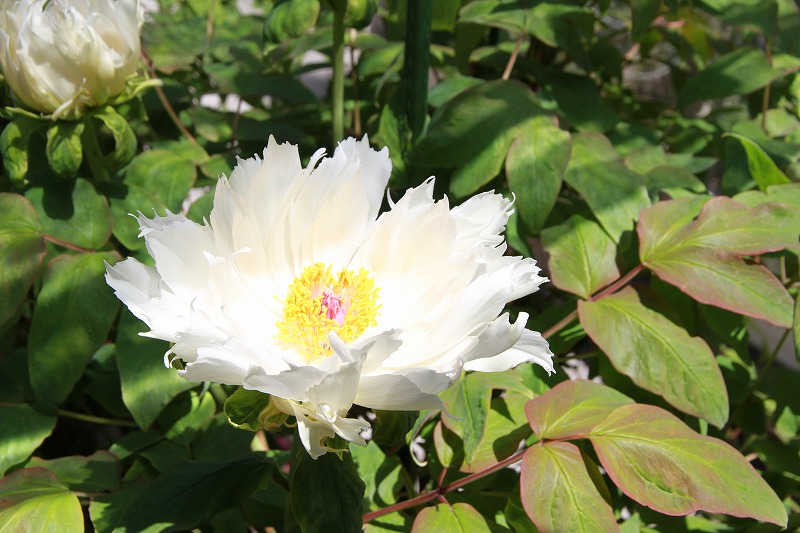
{"x":703,"y":257}
{"x":33,"y":499}
{"x":572,"y":409}
{"x":582,"y":256}
{"x":559,"y":493}
{"x":458,"y":518}
{"x":657,"y":355}
{"x":660,"y":462}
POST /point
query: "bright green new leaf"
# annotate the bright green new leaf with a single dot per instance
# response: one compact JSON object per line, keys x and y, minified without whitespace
{"x":181,"y":498}
{"x":74,"y":212}
{"x":21,"y":251}
{"x":14,"y":144}
{"x":327,"y":493}
{"x":486,"y":118}
{"x":660,"y":462}
{"x":147,"y":387}
{"x":535,"y":166}
{"x":657,"y":355}
{"x":572,"y":408}
{"x":460,"y":517}
{"x":243,"y":408}
{"x":559,"y":493}
{"x":71,"y":319}
{"x":582,"y":256}
{"x":164,"y":173}
{"x":762,"y":168}
{"x":290,"y":19}
{"x":724,"y":77}
{"x":125,"y":143}
{"x":24,"y":429}
{"x":614,"y":193}
{"x":703,"y":257}
{"x":64,"y":148}
{"x":96,"y":473}
{"x":35,"y":500}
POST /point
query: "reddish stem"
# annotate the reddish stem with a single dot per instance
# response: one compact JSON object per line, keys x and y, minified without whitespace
{"x":439,"y":492}
{"x":617,"y":285}
{"x":65,"y":244}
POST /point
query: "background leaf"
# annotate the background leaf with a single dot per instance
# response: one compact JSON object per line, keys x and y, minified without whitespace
{"x":72,"y":317}
{"x":456,"y":517}
{"x":147,"y":387}
{"x":21,"y":251}
{"x":24,"y":429}
{"x":327,"y":493}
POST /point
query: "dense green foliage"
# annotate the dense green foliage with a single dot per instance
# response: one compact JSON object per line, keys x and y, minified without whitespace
{"x":653,"y":149}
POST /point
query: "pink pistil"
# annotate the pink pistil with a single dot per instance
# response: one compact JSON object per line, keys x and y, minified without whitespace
{"x":332,"y":307}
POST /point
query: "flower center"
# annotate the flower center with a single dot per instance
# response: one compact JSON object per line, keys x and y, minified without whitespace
{"x":319,"y":302}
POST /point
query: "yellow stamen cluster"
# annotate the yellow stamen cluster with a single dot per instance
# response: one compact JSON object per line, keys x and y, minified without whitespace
{"x":305,"y":324}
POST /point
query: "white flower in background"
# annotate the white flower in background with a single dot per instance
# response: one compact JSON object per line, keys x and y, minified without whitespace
{"x":298,"y":289}
{"x":62,"y":56}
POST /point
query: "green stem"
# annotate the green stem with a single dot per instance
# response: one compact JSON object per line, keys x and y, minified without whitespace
{"x":97,"y":419}
{"x":415,"y":63}
{"x":337,"y":83}
{"x":91,"y":149}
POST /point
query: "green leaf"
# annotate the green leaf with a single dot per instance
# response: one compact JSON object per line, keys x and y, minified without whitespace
{"x":459,"y":517}
{"x":535,"y":166}
{"x":21,"y":251}
{"x":614,"y":193}
{"x":64,"y":148}
{"x":724,"y":77}
{"x":124,"y":138}
{"x":562,"y":26}
{"x":579,"y":100}
{"x":796,"y":329}
{"x":762,"y":168}
{"x":672,"y":180}
{"x":74,"y":212}
{"x":572,"y":408}
{"x":182,"y":498}
{"x":34,"y":500}
{"x":380,"y":473}
{"x":704,"y":257}
{"x":486,"y":117}
{"x":14,"y":141}
{"x":327,"y":493}
{"x":128,"y":200}
{"x":183,"y":427}
{"x":657,"y":355}
{"x":173,"y":44}
{"x":660,"y":462}
{"x":559,"y":494}
{"x":582,"y":256}
{"x":147,"y":387}
{"x":391,"y":427}
{"x":98,"y":472}
{"x":165,"y":174}
{"x":71,"y":319}
{"x":24,"y":429}
{"x":243,"y":408}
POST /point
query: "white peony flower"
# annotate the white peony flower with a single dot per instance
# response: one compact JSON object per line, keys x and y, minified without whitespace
{"x":62,"y":56}
{"x":298,"y":289}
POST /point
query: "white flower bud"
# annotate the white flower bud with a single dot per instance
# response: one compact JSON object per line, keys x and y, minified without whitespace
{"x":63,"y":56}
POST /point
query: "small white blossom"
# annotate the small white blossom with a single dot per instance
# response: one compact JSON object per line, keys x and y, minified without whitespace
{"x":298,"y":289}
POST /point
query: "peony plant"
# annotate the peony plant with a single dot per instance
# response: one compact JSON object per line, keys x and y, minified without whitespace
{"x":298,"y":289}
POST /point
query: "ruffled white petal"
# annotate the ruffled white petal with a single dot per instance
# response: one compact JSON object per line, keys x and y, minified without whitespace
{"x":531,"y":347}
